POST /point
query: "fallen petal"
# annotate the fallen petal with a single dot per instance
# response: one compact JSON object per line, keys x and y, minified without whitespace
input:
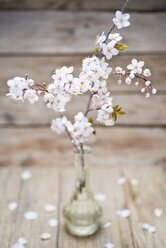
{"x":50,"y":208}
{"x":31,"y":215}
{"x":158,"y":212}
{"x":152,"y":229}
{"x":107,"y":224}
{"x":134,"y":181}
{"x":123,"y":213}
{"x":100,"y":197}
{"x":53,"y":222}
{"x":145,"y":226}
{"x":109,"y":245}
{"x":45,"y":236}
{"x":22,"y":241}
{"x":12,"y":205}
{"x":121,"y":180}
{"x":26,"y":175}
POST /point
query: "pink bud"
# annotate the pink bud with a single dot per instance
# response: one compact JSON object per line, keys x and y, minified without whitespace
{"x":143,"y":90}
{"x":147,"y":95}
{"x":26,"y":76}
{"x":44,"y":84}
{"x":123,"y":72}
{"x":136,"y":83}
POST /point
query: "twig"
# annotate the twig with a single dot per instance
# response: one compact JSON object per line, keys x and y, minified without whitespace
{"x":100,"y":55}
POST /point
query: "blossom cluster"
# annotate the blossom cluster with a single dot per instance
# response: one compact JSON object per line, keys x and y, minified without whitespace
{"x":92,"y":78}
{"x":80,"y":129}
{"x":137,"y":72}
{"x":21,"y":88}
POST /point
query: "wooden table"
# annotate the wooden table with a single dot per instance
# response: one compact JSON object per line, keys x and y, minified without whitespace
{"x":37,"y":42}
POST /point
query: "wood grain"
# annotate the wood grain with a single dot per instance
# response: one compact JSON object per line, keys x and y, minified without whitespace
{"x":148,"y":5}
{"x":127,"y":232}
{"x":140,"y":111}
{"x":54,"y":32}
{"x":40,"y":69}
{"x":118,"y":146}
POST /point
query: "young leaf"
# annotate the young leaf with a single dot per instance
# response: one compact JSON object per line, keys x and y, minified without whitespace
{"x":121,"y":47}
{"x":114,"y":116}
{"x":96,"y":49}
{"x":121,"y":113}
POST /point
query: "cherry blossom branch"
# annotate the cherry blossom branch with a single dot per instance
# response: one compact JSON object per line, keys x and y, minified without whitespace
{"x":113,"y":26}
{"x":100,"y":55}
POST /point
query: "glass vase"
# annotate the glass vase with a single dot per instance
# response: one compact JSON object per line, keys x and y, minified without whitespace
{"x":82,"y":212}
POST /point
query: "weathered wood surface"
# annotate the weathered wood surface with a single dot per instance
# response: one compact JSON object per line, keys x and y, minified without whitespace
{"x":40,"y":69}
{"x":140,"y":111}
{"x":51,"y":186}
{"x":113,"y":146}
{"x":49,"y":32}
{"x":148,"y":5}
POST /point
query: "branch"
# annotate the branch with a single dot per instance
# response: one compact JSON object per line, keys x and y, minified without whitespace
{"x":100,"y":55}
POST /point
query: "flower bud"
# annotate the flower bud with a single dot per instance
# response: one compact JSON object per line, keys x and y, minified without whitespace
{"x":154,"y":91}
{"x":147,"y":83}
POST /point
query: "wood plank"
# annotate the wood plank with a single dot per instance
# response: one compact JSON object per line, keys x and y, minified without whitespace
{"x":140,"y":110}
{"x":142,"y":200}
{"x":118,"y":146}
{"x":148,"y":5}
{"x":32,"y":196}
{"x":40,"y":68}
{"x":48,"y":32}
{"x":46,"y":185}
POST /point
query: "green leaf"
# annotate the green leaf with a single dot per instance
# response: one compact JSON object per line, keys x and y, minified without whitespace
{"x":115,"y":107}
{"x":121,"y":47}
{"x":114,"y":116}
{"x":90,"y":120}
{"x":121,"y":113}
{"x":96,"y":49}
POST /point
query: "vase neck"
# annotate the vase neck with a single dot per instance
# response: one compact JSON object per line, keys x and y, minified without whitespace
{"x":82,"y":161}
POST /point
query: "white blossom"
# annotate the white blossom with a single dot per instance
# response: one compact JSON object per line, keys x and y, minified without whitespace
{"x":135,"y":66}
{"x":99,"y":40}
{"x":118,"y":69}
{"x":93,"y":69}
{"x":17,"y":86}
{"x":99,"y":87}
{"x":109,"y":50}
{"x":58,"y":125}
{"x":31,"y":96}
{"x":147,"y":73}
{"x":105,"y":118}
{"x":99,"y":100}
{"x":81,"y":129}
{"x":116,"y":37}
{"x":121,"y":20}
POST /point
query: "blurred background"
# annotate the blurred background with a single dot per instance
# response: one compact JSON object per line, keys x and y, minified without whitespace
{"x":36,"y":37}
